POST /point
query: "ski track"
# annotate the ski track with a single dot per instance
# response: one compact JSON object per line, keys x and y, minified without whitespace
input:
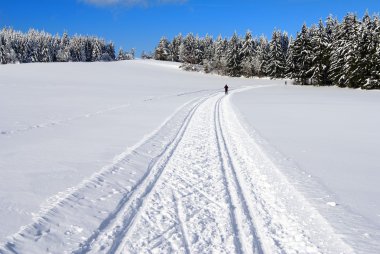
{"x":244,"y":212}
{"x":58,"y":122}
{"x":62,"y":121}
{"x":200,"y":184}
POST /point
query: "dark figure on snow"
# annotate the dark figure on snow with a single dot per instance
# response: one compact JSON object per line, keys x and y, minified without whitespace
{"x":226,"y":89}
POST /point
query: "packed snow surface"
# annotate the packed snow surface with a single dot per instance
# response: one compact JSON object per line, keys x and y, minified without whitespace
{"x":62,"y":122}
{"x":141,"y":157}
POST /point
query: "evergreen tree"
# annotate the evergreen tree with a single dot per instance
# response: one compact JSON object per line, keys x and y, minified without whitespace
{"x":63,"y":54}
{"x":373,"y":82}
{"x":199,"y":50}
{"x":351,"y":68}
{"x":290,"y":64}
{"x":285,"y":47}
{"x":97,"y":50}
{"x":110,"y":52}
{"x":248,"y":53}
{"x":162,"y":51}
{"x":365,"y":50}
{"x":261,"y":59}
{"x":3,"y":59}
{"x":208,"y":56}
{"x":188,"y":50}
{"x":342,"y":62}
{"x":234,"y":57}
{"x":218,"y":60}
{"x":302,"y":57}
{"x":208,"y":48}
{"x":321,"y":58}
{"x":120,"y":54}
{"x":276,"y":62}
{"x":174,"y":48}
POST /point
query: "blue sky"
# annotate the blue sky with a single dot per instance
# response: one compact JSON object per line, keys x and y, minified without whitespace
{"x":141,"y":23}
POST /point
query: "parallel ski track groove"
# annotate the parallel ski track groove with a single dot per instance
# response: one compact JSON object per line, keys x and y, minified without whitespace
{"x":181,"y":221}
{"x":133,"y":202}
{"x":243,"y":201}
{"x":232,"y":215}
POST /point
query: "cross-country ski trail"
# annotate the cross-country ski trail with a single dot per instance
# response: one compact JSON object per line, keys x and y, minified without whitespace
{"x":200,"y":184}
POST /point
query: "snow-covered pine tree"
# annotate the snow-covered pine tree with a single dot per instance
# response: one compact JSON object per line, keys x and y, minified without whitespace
{"x":290,"y":65}
{"x":88,"y":49}
{"x":365,"y":51}
{"x":120,"y":54}
{"x":174,"y":48}
{"x":321,"y":56}
{"x":16,"y":45}
{"x":351,"y":68}
{"x":55,"y":47}
{"x":2,"y":48}
{"x":209,"y":51}
{"x":10,"y":54}
{"x":110,"y":52}
{"x":63,"y":54}
{"x":75,"y":49}
{"x":276,"y":61}
{"x":261,"y":56}
{"x":27,"y":45}
{"x":373,"y":82}
{"x":188,"y":50}
{"x":97,"y":49}
{"x":125,"y":55}
{"x":302,"y":56}
{"x":343,"y":50}
{"x":208,"y":48}
{"x":132,"y":53}
{"x":162,"y":51}
{"x":46,"y":42}
{"x":34,"y":46}
{"x":285,"y":47}
{"x":234,"y":57}
{"x":218,"y":60}
{"x":331,"y":29}
{"x":199,"y":50}
{"x":248,"y":52}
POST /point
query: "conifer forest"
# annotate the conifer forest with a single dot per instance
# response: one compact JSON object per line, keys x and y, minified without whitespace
{"x":345,"y":54}
{"x":39,"y":46}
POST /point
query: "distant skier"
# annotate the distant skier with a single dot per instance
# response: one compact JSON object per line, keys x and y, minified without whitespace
{"x":226,"y":89}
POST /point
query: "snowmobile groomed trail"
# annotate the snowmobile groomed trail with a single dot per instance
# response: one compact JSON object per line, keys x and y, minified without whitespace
{"x":200,"y":184}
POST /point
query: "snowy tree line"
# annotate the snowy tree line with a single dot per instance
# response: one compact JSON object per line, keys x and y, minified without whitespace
{"x":39,"y":46}
{"x":346,"y":53}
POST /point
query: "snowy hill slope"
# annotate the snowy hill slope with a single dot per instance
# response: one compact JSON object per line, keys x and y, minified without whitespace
{"x":203,"y":181}
{"x":62,"y":122}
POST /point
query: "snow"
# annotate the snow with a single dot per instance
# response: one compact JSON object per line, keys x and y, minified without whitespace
{"x":139,"y":156}
{"x":62,"y":122}
{"x":327,"y":140}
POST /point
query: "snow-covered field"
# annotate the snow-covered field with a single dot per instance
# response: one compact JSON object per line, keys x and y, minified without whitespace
{"x":331,"y":138}
{"x":139,"y":156}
